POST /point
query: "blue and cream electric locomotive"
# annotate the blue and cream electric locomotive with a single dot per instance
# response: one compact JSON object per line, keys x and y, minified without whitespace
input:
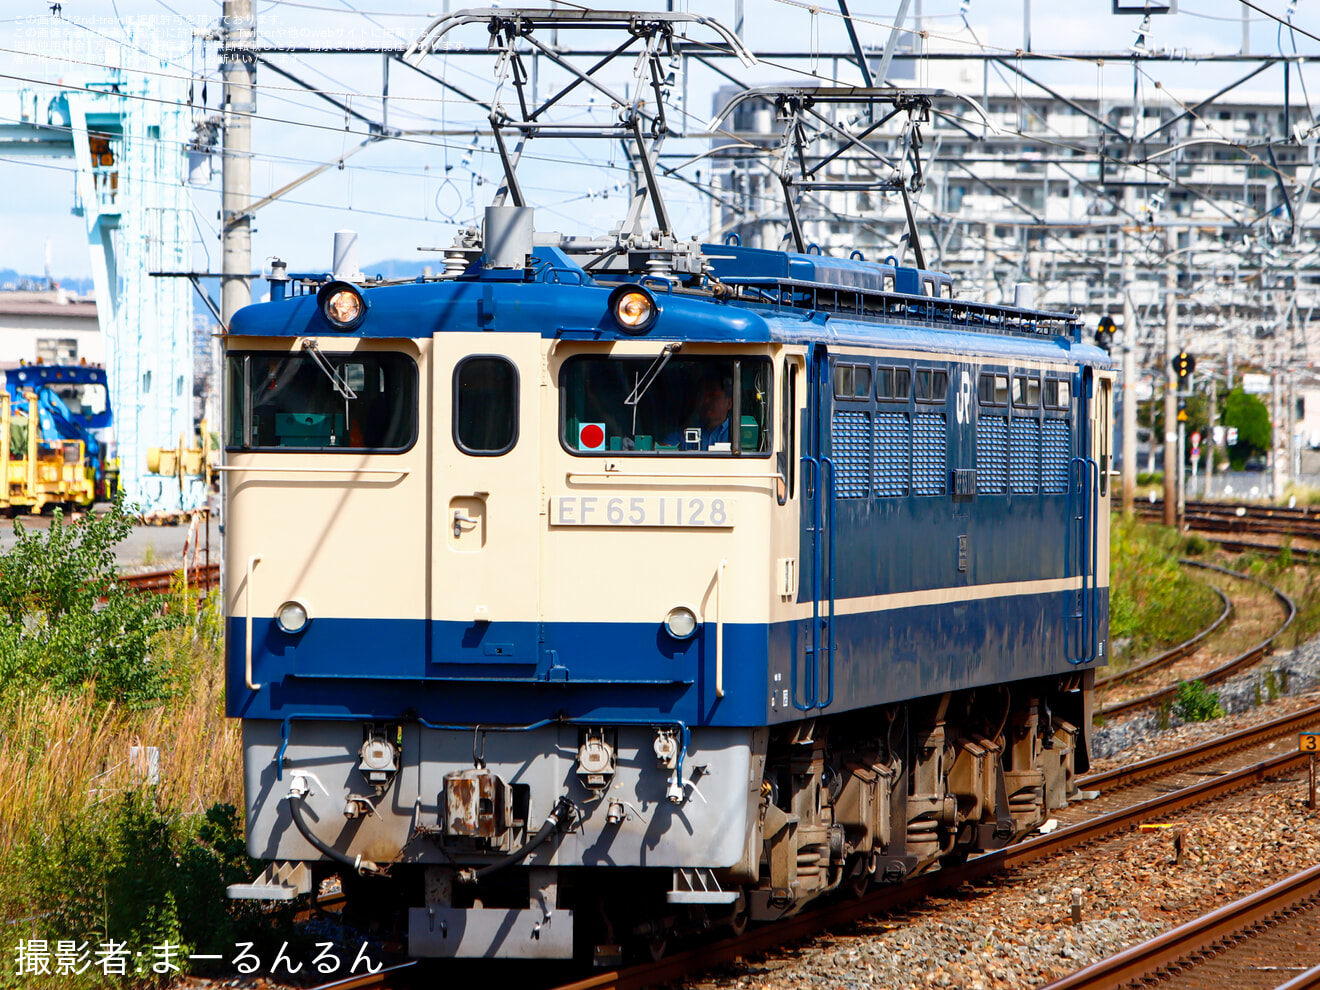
{"x":605,"y":604}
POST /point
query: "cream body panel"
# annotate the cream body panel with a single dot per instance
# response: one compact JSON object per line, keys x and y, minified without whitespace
{"x":349,"y":544}
{"x":490,"y":571}
{"x":619,"y":573}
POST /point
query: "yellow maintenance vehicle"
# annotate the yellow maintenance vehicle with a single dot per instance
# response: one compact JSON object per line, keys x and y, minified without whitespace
{"x":39,"y":474}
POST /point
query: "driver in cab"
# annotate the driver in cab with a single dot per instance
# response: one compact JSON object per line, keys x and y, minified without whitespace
{"x":714,"y":404}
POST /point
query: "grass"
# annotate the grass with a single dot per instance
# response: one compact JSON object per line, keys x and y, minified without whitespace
{"x":1153,"y":602}
{"x":62,"y":752}
{"x":101,"y":844}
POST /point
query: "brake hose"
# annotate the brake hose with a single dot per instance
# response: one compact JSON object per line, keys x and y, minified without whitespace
{"x":557,"y":819}
{"x":358,"y":863}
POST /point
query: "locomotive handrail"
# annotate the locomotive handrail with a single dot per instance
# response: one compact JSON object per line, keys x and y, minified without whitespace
{"x":1093,"y":470}
{"x":1088,"y":636}
{"x":571,"y":475}
{"x":719,"y":629}
{"x":829,"y":625}
{"x":309,"y":470}
{"x":247,"y":607}
{"x":809,"y":665}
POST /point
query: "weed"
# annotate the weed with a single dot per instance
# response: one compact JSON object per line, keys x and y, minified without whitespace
{"x":1195,"y":702}
{"x":1271,"y":685}
{"x":1285,"y":557}
{"x":1163,"y":714}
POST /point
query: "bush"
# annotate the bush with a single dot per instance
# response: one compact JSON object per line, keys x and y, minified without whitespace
{"x":124,"y":870}
{"x":66,"y":620}
{"x":1195,"y":702}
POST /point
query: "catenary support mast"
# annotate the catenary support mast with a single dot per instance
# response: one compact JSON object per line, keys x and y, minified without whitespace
{"x":239,"y":30}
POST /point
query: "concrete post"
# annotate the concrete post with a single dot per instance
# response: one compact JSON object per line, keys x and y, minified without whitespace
{"x":1278,"y":427}
{"x":239,"y":30}
{"x":1170,"y":390}
{"x":1129,"y":382}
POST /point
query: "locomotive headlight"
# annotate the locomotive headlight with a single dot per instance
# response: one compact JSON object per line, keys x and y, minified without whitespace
{"x":681,"y":622}
{"x":342,"y":304}
{"x":293,"y":616}
{"x":634,"y":308}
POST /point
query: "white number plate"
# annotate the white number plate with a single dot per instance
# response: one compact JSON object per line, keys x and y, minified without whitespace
{"x":642,"y":510}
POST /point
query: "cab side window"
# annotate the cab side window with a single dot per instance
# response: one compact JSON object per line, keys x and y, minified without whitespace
{"x":485,"y":405}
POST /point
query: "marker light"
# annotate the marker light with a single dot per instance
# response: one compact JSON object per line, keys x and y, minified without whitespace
{"x":342,"y":305}
{"x":633,"y":308}
{"x":681,"y":622}
{"x":292,"y":617}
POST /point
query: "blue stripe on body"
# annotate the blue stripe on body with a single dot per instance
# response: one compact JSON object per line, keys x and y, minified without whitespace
{"x":391,"y":668}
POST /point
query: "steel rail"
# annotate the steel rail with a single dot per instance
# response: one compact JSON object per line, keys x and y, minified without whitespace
{"x":1171,"y":655}
{"x":206,"y":577}
{"x":378,"y":979}
{"x":1310,"y":980}
{"x":1145,"y":960}
{"x":1167,"y":763}
{"x":1224,"y":671}
{"x":1230,"y":517}
{"x":928,"y":884}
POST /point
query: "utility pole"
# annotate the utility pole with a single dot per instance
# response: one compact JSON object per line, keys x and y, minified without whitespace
{"x":1278,"y":427}
{"x":1171,"y":465}
{"x":238,"y":30}
{"x":1129,"y":382}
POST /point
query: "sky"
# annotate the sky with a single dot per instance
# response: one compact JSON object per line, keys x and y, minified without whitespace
{"x":417,"y":190}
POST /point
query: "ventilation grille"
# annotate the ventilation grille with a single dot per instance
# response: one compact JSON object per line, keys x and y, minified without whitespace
{"x":992,"y":454}
{"x":929,"y":454}
{"x":1024,"y":457}
{"x":850,"y":445}
{"x":1054,"y":456}
{"x":893,"y":453}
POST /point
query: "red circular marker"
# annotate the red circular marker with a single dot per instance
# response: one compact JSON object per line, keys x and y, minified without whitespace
{"x":591,"y":436}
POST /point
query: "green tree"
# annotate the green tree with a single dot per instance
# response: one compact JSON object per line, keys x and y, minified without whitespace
{"x":1252,"y":419}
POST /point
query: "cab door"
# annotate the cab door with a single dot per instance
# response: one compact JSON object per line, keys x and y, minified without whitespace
{"x":486,"y":504}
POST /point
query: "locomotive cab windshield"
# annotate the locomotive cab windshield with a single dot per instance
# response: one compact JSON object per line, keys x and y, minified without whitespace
{"x":666,"y":404}
{"x":291,"y":401}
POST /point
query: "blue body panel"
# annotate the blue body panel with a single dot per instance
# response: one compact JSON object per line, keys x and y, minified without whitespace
{"x":441,"y":671}
{"x":456,"y":673}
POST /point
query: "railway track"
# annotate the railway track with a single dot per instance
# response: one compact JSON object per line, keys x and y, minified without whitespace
{"x":389,"y":976}
{"x":1102,"y":826}
{"x":1222,"y":517}
{"x":205,"y":577}
{"x":1220,"y":673}
{"x":1250,"y":944}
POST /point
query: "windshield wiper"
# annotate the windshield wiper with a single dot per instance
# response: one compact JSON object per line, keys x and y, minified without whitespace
{"x":652,"y":373}
{"x":340,"y":386}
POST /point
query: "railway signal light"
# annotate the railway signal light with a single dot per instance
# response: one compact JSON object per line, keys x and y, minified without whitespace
{"x":1104,"y":334}
{"x":1183,"y":366}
